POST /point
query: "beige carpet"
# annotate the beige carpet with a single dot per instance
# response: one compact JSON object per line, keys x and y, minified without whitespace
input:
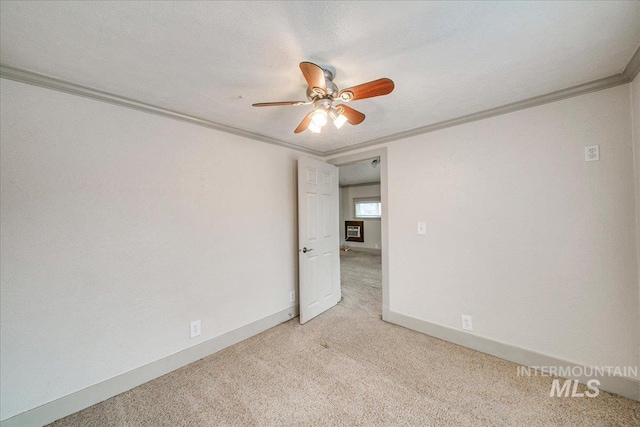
{"x":349,"y":368}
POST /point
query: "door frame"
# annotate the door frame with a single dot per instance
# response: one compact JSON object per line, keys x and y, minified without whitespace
{"x":384,"y":198}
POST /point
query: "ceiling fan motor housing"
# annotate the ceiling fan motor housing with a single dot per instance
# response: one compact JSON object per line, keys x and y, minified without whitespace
{"x":322,"y":104}
{"x":332,"y":91}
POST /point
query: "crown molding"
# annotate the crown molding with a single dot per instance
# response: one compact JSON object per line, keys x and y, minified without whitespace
{"x":633,"y":66}
{"x":630,"y":72}
{"x":362,"y":184}
{"x":42,"y":80}
{"x":581,"y":89}
{"x":37,"y":79}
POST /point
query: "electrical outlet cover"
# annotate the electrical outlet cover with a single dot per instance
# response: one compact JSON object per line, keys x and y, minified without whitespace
{"x":592,"y":153}
{"x":467,"y":324}
{"x":195,"y":329}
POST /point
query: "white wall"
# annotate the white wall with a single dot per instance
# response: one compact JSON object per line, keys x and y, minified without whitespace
{"x":523,"y":235}
{"x":118,"y":228}
{"x":372,"y":227}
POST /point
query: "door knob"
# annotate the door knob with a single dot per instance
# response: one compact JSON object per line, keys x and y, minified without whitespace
{"x":305,"y":250}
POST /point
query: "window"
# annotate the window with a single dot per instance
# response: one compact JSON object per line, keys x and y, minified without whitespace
{"x":368,"y":208}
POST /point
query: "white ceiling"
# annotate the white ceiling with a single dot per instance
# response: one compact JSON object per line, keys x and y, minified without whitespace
{"x":359,"y":173}
{"x":212,"y":60}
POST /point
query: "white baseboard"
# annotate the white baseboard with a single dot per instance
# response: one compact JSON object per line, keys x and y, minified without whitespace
{"x":624,"y":386}
{"x":367,"y":250}
{"x":84,"y":398}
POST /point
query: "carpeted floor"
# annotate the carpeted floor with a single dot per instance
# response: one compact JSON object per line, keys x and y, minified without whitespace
{"x":349,"y":368}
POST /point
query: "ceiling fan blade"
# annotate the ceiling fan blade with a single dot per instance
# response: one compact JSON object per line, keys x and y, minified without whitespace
{"x":314,"y":75}
{"x":367,"y":90}
{"x":354,"y":117}
{"x":304,"y":124}
{"x":279,"y":104}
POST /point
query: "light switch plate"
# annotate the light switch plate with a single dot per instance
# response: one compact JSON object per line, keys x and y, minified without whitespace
{"x":592,"y":153}
{"x":422,"y":228}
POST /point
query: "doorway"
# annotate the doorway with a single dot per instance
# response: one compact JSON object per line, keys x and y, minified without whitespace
{"x":363,"y":208}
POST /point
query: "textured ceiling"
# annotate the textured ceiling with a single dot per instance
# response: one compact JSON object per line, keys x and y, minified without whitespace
{"x":213,"y":60}
{"x":359,"y":173}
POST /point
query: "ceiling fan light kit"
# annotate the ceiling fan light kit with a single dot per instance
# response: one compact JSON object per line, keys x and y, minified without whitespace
{"x":322,"y":92}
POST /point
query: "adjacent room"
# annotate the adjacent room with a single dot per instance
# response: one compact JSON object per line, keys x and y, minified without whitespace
{"x":319,"y":213}
{"x":361,"y":232}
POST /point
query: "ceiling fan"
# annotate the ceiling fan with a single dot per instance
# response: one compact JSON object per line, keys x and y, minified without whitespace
{"x":322,"y":92}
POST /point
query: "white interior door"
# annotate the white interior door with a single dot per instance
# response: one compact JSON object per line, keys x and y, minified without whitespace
{"x":318,"y":237}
